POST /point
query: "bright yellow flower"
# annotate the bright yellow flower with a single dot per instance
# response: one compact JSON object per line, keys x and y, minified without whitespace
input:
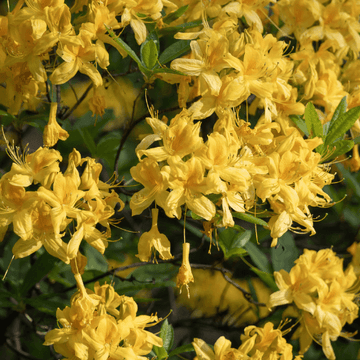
{"x":39,"y":167}
{"x":188,"y":185}
{"x":155,"y":182}
{"x":154,"y":240}
{"x":185,"y":276}
{"x":78,"y":58}
{"x":53,"y":131}
{"x":180,"y":138}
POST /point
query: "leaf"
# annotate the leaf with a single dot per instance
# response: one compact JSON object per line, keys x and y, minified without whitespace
{"x":339,"y":127}
{"x":258,"y":257}
{"x":149,"y":54}
{"x":300,"y":123}
{"x":182,"y":349}
{"x":167,"y":70}
{"x":286,"y":252}
{"x":88,"y":140}
{"x":194,"y":216}
{"x":232,"y":241}
{"x":178,"y":28}
{"x":159,"y":272}
{"x":249,"y":218}
{"x":339,"y":111}
{"x":128,"y":50}
{"x":350,"y":179}
{"x":357,"y":140}
{"x":174,"y":51}
{"x":128,"y":286}
{"x":6,"y":118}
{"x":42,"y":266}
{"x":341,"y":147}
{"x":312,"y":121}
{"x":175,"y":15}
{"x":96,"y":261}
{"x":268,"y":279}
{"x":167,"y":334}
{"x":160,"y":352}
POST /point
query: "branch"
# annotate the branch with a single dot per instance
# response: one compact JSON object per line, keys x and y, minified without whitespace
{"x":19,"y":351}
{"x":224,"y":272}
{"x":80,"y":100}
{"x":138,"y":264}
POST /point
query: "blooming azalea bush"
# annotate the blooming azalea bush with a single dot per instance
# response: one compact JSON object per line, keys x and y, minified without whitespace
{"x":229,"y":122}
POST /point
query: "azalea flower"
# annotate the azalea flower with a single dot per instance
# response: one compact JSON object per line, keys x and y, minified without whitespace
{"x":154,"y":240}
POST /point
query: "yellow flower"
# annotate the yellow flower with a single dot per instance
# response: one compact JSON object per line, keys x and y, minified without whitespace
{"x":77,"y":58}
{"x":39,"y":167}
{"x":180,"y":138}
{"x":222,"y":350}
{"x":268,"y":342}
{"x":154,"y":240}
{"x":53,"y":131}
{"x":188,"y":185}
{"x":155,"y":182}
{"x":185,"y":275}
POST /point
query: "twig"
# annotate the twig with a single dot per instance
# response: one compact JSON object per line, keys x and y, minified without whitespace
{"x":19,"y":351}
{"x":127,"y":131}
{"x":83,"y":96}
{"x":224,"y":273}
{"x":246,"y":294}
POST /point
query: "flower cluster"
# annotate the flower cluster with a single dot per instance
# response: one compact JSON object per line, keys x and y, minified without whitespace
{"x":101,"y":324}
{"x":30,"y":34}
{"x":236,"y":164}
{"x":41,"y":216}
{"x":258,"y":343}
{"x":323,"y":295}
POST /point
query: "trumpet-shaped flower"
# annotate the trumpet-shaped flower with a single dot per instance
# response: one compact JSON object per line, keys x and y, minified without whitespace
{"x":154,"y":240}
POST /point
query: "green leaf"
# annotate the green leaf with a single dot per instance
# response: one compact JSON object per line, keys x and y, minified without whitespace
{"x":300,"y":123}
{"x":312,"y":121}
{"x":96,"y":261}
{"x":182,"y":349}
{"x":167,"y":334}
{"x":160,"y":352}
{"x":286,"y":252}
{"x":159,"y":272}
{"x":44,"y":304}
{"x":179,"y":28}
{"x":42,"y":266}
{"x":258,"y":257}
{"x":339,"y":127}
{"x":126,"y":287}
{"x":194,"y":216}
{"x":6,"y":118}
{"x":350,"y":179}
{"x":357,"y":140}
{"x":268,"y":279}
{"x":249,"y":218}
{"x":341,"y":147}
{"x":339,"y":111}
{"x":168,"y":19}
{"x":128,"y":50}
{"x":149,"y":54}
{"x":88,"y":140}
{"x":174,"y":51}
{"x":232,"y":242}
{"x":167,"y":70}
